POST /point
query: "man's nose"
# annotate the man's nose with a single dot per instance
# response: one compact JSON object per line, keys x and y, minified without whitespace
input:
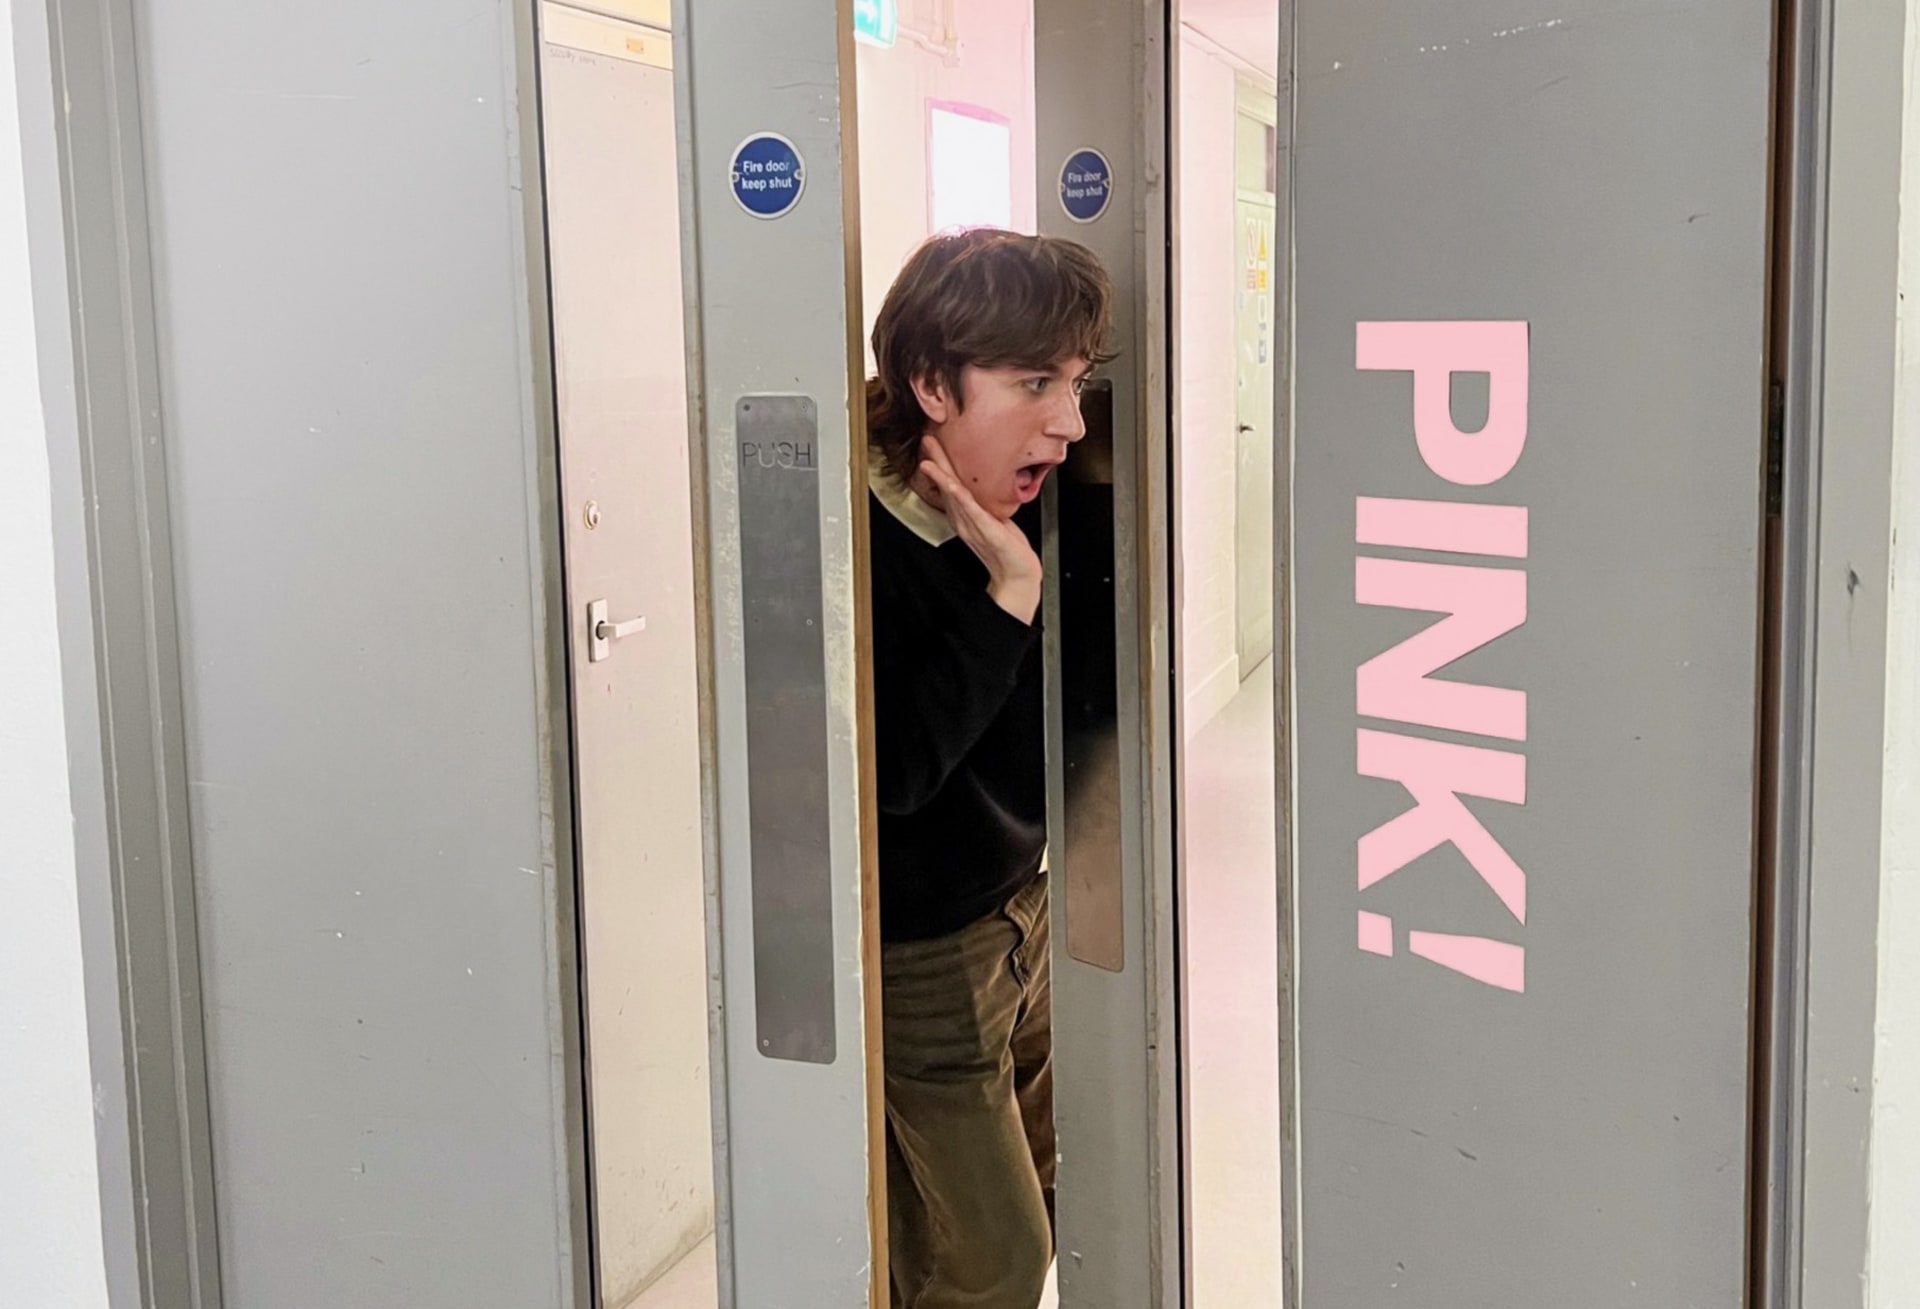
{"x":1066,"y":421}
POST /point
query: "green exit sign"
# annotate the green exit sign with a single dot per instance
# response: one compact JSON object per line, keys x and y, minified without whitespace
{"x":876,"y":22}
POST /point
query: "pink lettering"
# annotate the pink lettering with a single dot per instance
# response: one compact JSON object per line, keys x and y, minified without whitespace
{"x":1436,"y":774}
{"x":1433,"y":353}
{"x":1478,"y":604}
{"x":1497,"y":963}
{"x":1468,"y":529}
{"x":1482,"y":605}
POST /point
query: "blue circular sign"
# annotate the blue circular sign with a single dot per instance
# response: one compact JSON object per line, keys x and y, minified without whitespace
{"x":768,"y":175}
{"x":1086,"y":185}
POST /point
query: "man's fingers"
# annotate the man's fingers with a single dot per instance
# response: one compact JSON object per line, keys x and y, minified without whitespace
{"x":975,"y":525}
{"x":951,"y":489}
{"x":936,"y":454}
{"x":949,"y":486}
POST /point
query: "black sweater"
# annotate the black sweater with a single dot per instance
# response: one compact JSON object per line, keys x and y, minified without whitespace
{"x":959,"y":735}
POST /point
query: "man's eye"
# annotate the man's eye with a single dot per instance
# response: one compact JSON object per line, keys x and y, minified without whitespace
{"x":1080,"y":385}
{"x":1038,"y":385}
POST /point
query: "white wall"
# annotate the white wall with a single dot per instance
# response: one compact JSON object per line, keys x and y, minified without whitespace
{"x":991,"y":67}
{"x":50,"y":1243}
{"x":1209,"y":665}
{"x":1894,"y":1277}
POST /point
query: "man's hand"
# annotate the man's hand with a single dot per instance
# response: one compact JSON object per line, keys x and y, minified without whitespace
{"x":1014,"y":571}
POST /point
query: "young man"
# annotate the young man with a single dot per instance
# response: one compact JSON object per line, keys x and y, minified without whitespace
{"x":983,"y":347}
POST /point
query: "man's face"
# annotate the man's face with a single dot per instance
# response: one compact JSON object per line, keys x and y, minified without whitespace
{"x":1015,"y":427}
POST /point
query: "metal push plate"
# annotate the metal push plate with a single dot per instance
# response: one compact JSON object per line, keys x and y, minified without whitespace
{"x":791,"y":853}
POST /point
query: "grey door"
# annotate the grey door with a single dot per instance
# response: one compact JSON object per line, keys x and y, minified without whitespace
{"x":766,"y":114}
{"x":1529,"y":270}
{"x":1101,"y":151}
{"x":345,"y":239}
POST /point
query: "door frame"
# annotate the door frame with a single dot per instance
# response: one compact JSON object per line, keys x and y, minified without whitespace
{"x":1840,"y":175}
{"x":99,"y":362}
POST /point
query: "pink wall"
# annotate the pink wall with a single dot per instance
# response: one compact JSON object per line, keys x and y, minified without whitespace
{"x":990,"y":66}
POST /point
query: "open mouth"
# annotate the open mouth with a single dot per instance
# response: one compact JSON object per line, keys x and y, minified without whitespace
{"x":1028,"y":481}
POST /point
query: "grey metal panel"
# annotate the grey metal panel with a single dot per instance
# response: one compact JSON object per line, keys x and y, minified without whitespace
{"x":355,"y":389}
{"x":775,"y":305}
{"x":1598,"y":178}
{"x":782,"y":639}
{"x":1101,"y":77}
{"x":93,"y":285}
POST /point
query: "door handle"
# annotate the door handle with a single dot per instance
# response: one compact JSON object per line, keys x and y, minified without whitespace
{"x":614,"y":631}
{"x":601,"y":633}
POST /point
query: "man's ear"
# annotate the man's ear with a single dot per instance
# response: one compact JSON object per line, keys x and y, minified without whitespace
{"x":936,"y":402}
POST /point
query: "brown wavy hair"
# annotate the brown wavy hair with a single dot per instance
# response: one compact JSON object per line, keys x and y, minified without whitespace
{"x":983,"y":298}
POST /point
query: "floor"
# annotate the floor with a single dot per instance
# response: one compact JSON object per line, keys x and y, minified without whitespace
{"x":1232,"y":980}
{"x":1232,"y":1042}
{"x":693,"y":1283}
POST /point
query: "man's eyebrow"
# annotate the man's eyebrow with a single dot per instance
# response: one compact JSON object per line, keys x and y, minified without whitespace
{"x":1058,"y":368}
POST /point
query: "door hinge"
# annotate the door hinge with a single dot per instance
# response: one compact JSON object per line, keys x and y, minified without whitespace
{"x":1776,"y":447}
